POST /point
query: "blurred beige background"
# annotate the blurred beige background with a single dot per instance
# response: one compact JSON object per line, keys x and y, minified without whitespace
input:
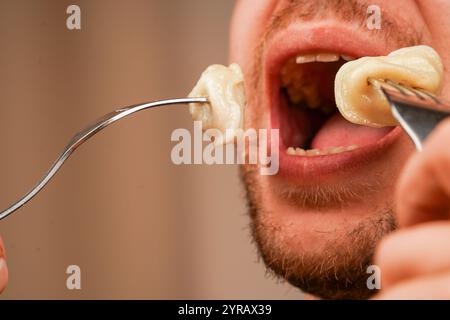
{"x":137,"y":225}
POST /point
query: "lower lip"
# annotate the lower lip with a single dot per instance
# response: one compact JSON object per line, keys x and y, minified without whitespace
{"x":319,"y":167}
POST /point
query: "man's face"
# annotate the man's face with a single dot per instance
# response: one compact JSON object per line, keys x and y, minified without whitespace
{"x":317,"y":222}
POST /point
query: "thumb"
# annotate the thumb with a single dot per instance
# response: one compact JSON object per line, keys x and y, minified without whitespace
{"x":423,"y":192}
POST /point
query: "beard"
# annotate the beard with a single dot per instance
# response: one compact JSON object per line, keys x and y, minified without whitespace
{"x":339,"y":271}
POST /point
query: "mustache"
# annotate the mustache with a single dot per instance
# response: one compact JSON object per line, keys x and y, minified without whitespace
{"x":399,"y":31}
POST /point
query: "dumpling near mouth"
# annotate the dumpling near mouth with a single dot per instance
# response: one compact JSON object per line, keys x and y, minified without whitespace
{"x":224,"y":88}
{"x":361,"y":103}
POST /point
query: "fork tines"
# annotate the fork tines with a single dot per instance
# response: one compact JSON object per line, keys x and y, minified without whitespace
{"x":417,"y":111}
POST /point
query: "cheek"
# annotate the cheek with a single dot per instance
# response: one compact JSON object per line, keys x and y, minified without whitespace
{"x":247,"y":26}
{"x":436,"y":14}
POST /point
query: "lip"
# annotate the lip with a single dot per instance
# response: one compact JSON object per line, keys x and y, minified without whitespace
{"x":319,"y":37}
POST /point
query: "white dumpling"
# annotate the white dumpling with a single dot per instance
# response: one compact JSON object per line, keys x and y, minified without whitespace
{"x":361,"y":103}
{"x":224,"y":88}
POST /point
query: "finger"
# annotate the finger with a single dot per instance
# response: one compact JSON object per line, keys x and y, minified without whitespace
{"x":432,"y":287}
{"x":3,"y":267}
{"x":2,"y":248}
{"x":3,"y":274}
{"x":423,"y":192}
{"x":414,"y":252}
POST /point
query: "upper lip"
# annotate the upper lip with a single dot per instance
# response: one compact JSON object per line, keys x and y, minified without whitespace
{"x":326,"y":37}
{"x":298,"y":39}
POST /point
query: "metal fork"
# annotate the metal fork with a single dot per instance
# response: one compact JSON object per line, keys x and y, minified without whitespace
{"x":417,"y":111}
{"x":84,"y":135}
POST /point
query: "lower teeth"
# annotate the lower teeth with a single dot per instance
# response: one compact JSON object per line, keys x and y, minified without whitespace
{"x":319,"y":152}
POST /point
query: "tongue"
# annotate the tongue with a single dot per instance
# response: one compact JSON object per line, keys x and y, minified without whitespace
{"x":337,"y":131}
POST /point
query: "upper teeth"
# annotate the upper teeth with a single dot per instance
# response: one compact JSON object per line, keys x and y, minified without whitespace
{"x":347,"y":58}
{"x":305,"y":58}
{"x":322,"y":57}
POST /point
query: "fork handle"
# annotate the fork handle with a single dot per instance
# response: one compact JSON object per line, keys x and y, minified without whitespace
{"x":82,"y":136}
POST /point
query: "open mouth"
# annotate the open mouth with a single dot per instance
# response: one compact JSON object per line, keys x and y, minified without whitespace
{"x":309,"y":121}
{"x":300,"y":66}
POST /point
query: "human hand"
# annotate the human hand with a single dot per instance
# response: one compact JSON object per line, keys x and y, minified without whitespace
{"x":3,"y":267}
{"x":415,"y":260}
